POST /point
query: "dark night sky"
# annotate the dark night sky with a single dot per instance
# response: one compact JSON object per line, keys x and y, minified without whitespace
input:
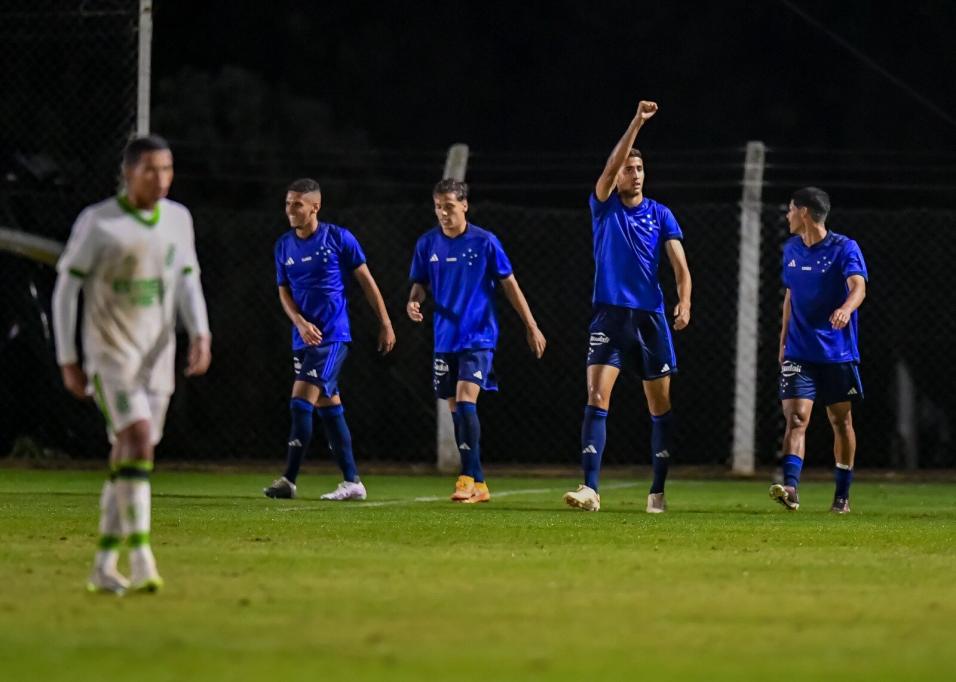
{"x":567,"y":75}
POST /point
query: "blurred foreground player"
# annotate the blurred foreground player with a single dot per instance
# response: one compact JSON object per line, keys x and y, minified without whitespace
{"x":134,"y":258}
{"x":825,"y":278}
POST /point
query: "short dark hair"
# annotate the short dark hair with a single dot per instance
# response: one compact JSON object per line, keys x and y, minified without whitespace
{"x":451,"y":186}
{"x":635,"y":152}
{"x":815,"y":200}
{"x":304,"y":186}
{"x":138,"y":146}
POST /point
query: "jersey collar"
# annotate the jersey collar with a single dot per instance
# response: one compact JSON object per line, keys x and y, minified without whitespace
{"x":145,"y":221}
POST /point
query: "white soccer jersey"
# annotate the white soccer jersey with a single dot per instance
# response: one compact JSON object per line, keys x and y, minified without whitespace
{"x":133,"y":265}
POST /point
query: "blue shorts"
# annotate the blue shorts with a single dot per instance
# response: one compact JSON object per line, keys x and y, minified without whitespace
{"x":617,"y":333}
{"x":830,"y":383}
{"x":468,"y":365}
{"x":320,"y":366}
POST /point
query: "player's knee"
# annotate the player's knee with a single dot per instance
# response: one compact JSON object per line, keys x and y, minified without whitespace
{"x":841,"y":423}
{"x":599,"y":399}
{"x":797,"y":421}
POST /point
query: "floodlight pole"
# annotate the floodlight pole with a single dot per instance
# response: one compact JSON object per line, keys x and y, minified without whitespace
{"x":748,"y":303}
{"x":446,"y":446}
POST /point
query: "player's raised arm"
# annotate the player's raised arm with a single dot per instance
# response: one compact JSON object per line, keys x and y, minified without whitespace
{"x":386,"y":336}
{"x":675,"y":253}
{"x":311,"y":334}
{"x":414,"y":306}
{"x":536,"y":340}
{"x":605,"y":183}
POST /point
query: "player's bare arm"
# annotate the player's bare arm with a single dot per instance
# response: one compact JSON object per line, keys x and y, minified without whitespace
{"x":605,"y":183}
{"x":785,"y":321}
{"x":675,"y":253}
{"x":386,"y":335}
{"x":536,"y":340}
{"x":414,"y":306}
{"x":309,"y":332}
{"x":841,"y":316}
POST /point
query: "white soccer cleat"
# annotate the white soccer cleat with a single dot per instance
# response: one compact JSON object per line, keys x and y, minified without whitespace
{"x":346,"y":490}
{"x":107,"y":581}
{"x":583,"y":498}
{"x":656,"y":503}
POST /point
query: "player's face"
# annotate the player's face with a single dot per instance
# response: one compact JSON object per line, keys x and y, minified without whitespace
{"x":796,"y":217}
{"x":148,"y":180}
{"x":302,"y":208}
{"x":630,"y":180}
{"x":450,"y":211}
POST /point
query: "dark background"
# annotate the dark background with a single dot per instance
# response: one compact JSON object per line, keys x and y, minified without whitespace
{"x":367,"y":97}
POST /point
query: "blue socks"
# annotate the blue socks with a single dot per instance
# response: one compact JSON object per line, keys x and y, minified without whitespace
{"x":843,"y":475}
{"x":662,"y":430}
{"x":469,"y":437}
{"x":299,"y":436}
{"x":456,"y":418}
{"x":340,"y":440}
{"x":791,"y":470}
{"x":593,"y":437}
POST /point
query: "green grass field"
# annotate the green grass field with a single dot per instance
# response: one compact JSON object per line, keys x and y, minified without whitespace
{"x":726,"y":586}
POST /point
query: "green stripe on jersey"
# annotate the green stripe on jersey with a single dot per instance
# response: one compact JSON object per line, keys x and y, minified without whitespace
{"x":77,"y":273}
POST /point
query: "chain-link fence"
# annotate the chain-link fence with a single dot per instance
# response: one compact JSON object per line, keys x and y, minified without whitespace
{"x":240,"y":409}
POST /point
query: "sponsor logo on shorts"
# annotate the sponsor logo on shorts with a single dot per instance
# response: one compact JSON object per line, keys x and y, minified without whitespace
{"x":122,"y":402}
{"x":788,"y":369}
{"x":666,"y":368}
{"x":312,"y":373}
{"x":440,"y":367}
{"x":852,"y":391}
{"x":478,"y":375}
{"x":598,"y":339}
{"x":463,"y":446}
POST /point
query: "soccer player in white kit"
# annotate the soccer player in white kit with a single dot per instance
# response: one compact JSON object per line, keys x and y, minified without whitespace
{"x":134,"y":258}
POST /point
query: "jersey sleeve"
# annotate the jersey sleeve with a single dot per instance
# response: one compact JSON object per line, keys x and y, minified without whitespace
{"x":598,"y":207}
{"x":498,"y":261}
{"x":669,"y":227}
{"x":352,"y":255}
{"x":419,"y":271}
{"x":79,"y":256}
{"x":190,"y":262}
{"x":282,"y":277}
{"x":853,"y":263}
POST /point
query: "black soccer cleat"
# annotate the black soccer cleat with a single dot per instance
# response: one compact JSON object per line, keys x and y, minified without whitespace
{"x":281,"y":489}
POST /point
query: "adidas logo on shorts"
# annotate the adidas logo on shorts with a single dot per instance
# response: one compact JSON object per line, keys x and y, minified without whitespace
{"x":477,"y":375}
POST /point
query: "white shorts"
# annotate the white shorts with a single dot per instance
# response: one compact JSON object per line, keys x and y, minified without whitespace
{"x":122,"y":406}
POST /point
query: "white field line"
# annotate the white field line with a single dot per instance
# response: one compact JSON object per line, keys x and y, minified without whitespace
{"x":444,"y":498}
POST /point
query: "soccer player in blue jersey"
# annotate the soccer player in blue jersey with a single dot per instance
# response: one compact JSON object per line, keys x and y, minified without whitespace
{"x":631,"y":233}
{"x":463,"y":264}
{"x":313,"y":261}
{"x":825,"y":277}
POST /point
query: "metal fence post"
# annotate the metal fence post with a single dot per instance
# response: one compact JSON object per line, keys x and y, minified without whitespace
{"x":446,"y":445}
{"x":144,"y":70}
{"x":748,"y":302}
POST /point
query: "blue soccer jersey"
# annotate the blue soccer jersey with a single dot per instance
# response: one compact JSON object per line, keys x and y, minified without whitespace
{"x":462,"y":273}
{"x":628,"y":243}
{"x":816,"y":277}
{"x":315,"y":271}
